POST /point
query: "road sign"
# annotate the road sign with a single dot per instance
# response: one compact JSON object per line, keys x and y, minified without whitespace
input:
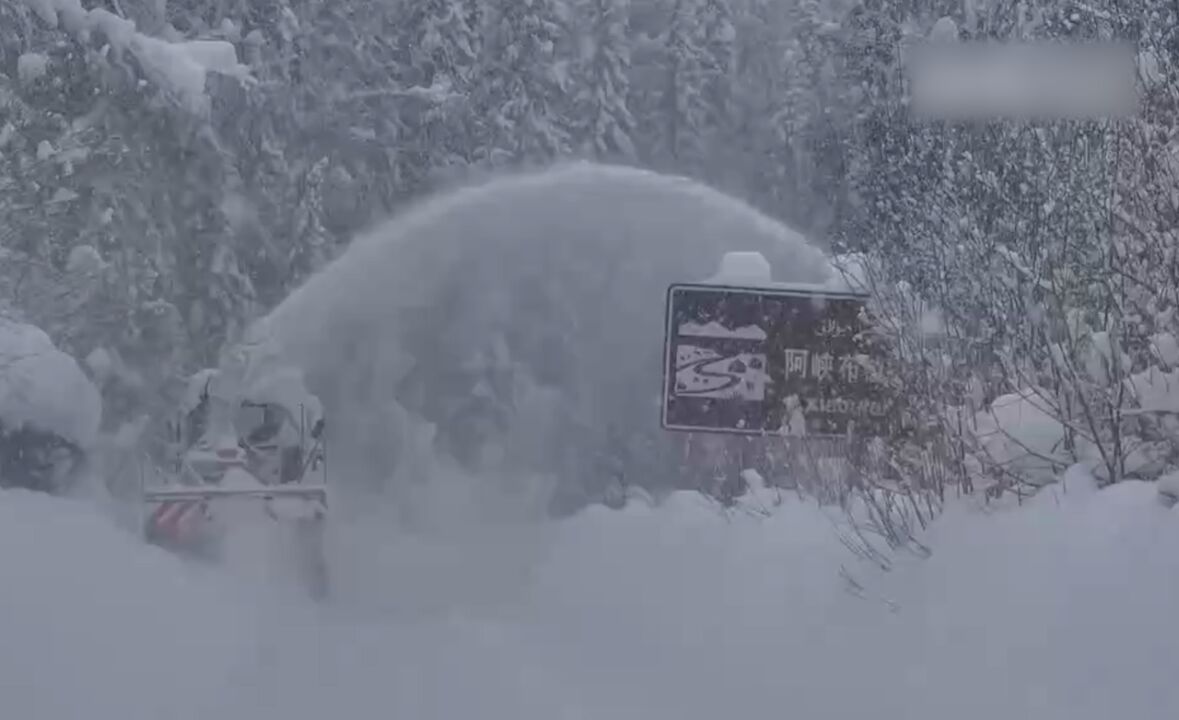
{"x":759,"y":361}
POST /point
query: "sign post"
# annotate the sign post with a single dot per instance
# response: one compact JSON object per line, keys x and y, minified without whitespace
{"x":770,"y":361}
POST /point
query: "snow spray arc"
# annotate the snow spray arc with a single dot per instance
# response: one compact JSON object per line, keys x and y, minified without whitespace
{"x":757,"y":360}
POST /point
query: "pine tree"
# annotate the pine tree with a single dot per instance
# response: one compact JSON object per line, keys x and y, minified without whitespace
{"x":718,"y":40}
{"x":683,"y":105}
{"x":443,"y":44}
{"x":607,"y":126}
{"x":524,"y":80}
{"x":131,"y":171}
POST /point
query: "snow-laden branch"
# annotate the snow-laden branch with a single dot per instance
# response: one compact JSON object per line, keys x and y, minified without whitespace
{"x":439,"y":92}
{"x":179,"y":68}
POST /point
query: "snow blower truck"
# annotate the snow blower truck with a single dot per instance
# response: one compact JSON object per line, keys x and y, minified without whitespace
{"x":246,"y":452}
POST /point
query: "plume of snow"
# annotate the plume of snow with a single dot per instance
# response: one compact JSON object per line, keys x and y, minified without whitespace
{"x":558,"y":276}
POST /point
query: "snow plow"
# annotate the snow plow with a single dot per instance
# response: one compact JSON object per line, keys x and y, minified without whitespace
{"x":246,"y":456}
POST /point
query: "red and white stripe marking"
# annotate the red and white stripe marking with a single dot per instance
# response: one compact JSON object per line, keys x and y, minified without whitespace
{"x":173,"y":518}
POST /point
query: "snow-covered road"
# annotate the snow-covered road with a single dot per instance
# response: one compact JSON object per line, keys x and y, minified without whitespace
{"x":1058,"y":610}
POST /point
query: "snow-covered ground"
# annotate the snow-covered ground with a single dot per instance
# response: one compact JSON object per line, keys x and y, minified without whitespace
{"x":1060,"y":609}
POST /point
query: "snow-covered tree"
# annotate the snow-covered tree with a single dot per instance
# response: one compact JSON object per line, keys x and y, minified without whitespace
{"x":523,"y":80}
{"x":445,"y":41}
{"x":443,"y":45}
{"x":607,"y":126}
{"x":124,"y":169}
{"x":718,"y":38}
{"x":683,"y":109}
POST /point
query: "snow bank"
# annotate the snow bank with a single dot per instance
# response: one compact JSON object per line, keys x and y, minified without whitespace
{"x":43,"y":387}
{"x":1055,"y":611}
{"x":541,"y":292}
{"x":94,"y":624}
{"x":743,"y":268}
{"x":1058,"y":610}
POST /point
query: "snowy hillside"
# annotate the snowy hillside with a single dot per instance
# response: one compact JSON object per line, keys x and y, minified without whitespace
{"x":1054,"y":611}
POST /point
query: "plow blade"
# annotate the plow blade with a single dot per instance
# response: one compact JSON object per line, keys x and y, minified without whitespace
{"x":310,"y":492}
{"x":194,"y":520}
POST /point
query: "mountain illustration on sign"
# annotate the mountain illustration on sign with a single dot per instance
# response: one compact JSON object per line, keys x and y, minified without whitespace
{"x":705,"y":373}
{"x":716,"y":330}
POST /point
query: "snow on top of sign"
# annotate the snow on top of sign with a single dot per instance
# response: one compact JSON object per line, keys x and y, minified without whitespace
{"x":752,"y":270}
{"x":715,"y":329}
{"x":743,"y":268}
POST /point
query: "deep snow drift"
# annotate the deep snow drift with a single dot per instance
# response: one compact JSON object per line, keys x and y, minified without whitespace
{"x":95,"y":624}
{"x":522,"y":317}
{"x":1056,"y":611}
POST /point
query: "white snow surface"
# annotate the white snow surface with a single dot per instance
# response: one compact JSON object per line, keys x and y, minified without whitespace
{"x":1157,"y":390}
{"x":43,"y":387}
{"x":944,"y":30}
{"x":561,"y":273}
{"x":1019,"y":433}
{"x":743,"y":268}
{"x":260,"y":373}
{"x":1169,"y":485}
{"x":84,"y":259}
{"x":31,"y":67}
{"x":97,"y":625}
{"x":1167,"y":348}
{"x":1058,"y":610}
{"x":197,"y":385}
